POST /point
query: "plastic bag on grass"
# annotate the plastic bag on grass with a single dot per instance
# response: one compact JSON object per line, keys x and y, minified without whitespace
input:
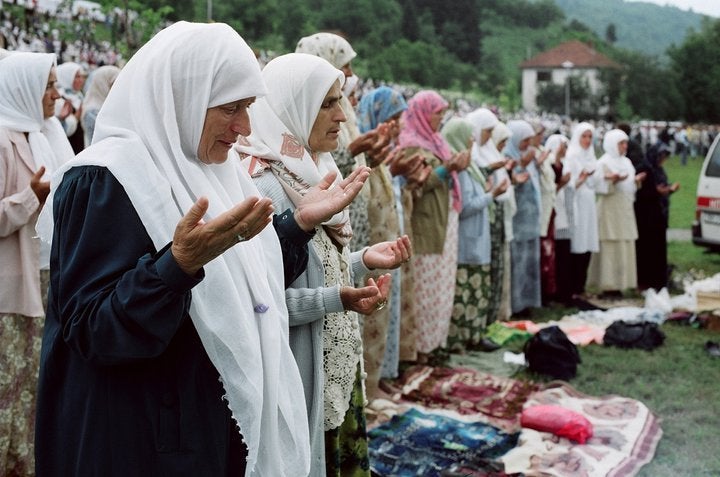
{"x":559,"y":421}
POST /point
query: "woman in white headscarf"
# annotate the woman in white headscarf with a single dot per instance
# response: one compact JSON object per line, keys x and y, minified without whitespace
{"x":493,"y":151}
{"x":100,"y":84}
{"x":582,"y":163}
{"x":337,"y":51}
{"x":32,"y":145}
{"x":613,"y":268}
{"x":166,"y":348}
{"x":557,"y":144}
{"x":294,"y":130}
{"x":486,"y":154}
{"x":71,"y":79}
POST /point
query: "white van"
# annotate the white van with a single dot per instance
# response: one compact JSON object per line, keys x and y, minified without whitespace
{"x":706,"y":227}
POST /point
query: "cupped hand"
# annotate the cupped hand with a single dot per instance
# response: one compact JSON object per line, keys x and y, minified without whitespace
{"x":501,"y":187}
{"x":459,"y":161}
{"x":521,"y":177}
{"x":388,"y":255}
{"x":367,"y":299}
{"x":324,"y":200}
{"x":197,"y":242}
{"x":40,"y":187}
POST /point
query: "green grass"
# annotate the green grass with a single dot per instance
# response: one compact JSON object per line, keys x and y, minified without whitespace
{"x":682,"y":203}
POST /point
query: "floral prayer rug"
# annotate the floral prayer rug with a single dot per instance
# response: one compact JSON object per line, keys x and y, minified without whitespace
{"x":492,"y":399}
{"x":625,"y":436}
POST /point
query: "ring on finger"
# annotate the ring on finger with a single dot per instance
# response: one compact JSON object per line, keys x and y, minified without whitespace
{"x":380,"y":305}
{"x":240,"y":238}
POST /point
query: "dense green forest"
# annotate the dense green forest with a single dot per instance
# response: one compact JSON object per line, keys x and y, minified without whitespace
{"x":474,"y":47}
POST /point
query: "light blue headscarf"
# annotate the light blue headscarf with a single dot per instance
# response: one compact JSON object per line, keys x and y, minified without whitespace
{"x":377,"y":106}
{"x":521,"y":130}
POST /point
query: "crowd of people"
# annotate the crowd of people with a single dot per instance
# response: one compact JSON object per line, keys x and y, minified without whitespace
{"x":214,"y":271}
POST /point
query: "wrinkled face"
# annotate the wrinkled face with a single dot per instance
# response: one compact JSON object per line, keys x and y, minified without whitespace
{"x":325,"y":130}
{"x":485,"y":134}
{"x":622,"y":147}
{"x":436,"y":119}
{"x":221,"y":128}
{"x":50,"y":96}
{"x":79,"y":81}
{"x":586,"y":139}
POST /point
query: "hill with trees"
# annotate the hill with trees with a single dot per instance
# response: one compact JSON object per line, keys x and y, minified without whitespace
{"x":475,"y":46}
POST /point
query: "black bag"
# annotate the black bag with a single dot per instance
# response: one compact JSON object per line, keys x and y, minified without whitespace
{"x":550,"y":352}
{"x":644,"y":335}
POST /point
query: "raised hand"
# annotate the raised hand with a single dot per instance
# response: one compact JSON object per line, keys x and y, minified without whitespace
{"x":197,"y":242}
{"x":459,"y":161}
{"x":501,"y":187}
{"x":40,"y":187}
{"x":388,"y":255}
{"x":367,"y":299}
{"x":323,"y":201}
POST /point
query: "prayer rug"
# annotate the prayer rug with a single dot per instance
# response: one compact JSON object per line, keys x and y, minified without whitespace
{"x":419,"y":443}
{"x":625,"y":436}
{"x":496,"y":400}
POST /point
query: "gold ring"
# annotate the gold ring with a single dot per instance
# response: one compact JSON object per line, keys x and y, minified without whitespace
{"x":380,"y":305}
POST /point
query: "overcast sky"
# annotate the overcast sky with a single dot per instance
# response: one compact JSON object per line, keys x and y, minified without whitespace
{"x":708,"y":7}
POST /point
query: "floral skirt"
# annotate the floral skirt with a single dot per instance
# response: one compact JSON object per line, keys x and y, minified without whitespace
{"x":473,"y":301}
{"x":20,"y":341}
{"x":346,"y":447}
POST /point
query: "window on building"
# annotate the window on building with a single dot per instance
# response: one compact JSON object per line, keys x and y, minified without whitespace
{"x":543,"y":76}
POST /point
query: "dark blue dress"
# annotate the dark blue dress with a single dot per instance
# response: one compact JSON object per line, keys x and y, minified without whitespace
{"x":126,"y":388}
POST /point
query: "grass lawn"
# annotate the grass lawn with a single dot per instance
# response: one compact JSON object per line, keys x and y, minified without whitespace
{"x":682,"y":203}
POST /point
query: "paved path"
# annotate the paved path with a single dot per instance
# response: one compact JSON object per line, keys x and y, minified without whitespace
{"x":679,"y":235}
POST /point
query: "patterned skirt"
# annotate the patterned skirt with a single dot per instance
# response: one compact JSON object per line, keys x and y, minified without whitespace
{"x":473,"y":293}
{"x":346,"y":447}
{"x":435,"y":290}
{"x":20,"y":341}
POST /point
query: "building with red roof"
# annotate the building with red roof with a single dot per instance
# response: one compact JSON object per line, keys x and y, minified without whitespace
{"x":572,"y":58}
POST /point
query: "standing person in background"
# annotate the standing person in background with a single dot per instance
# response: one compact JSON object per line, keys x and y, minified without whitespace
{"x":563,"y":216}
{"x":501,"y":134}
{"x":613,"y":267}
{"x":32,"y":146}
{"x":652,"y":210}
{"x":434,"y":218}
{"x":379,"y":112}
{"x":493,"y":164}
{"x":338,"y":52}
{"x":584,"y":241}
{"x":525,"y":248}
{"x":473,"y":289}
{"x":100,"y":84}
{"x":71,"y":80}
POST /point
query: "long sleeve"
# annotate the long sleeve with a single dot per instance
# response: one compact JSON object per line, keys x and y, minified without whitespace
{"x":294,"y":245}
{"x":474,"y":199}
{"x":117,"y":299}
{"x":16,"y":210}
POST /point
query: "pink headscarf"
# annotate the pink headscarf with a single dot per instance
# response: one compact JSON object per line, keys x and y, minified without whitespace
{"x":417,"y":132}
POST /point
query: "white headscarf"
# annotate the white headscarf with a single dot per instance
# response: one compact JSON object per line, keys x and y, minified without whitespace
{"x":612,"y":161}
{"x":150,"y":145}
{"x":481,"y":119}
{"x":66,"y":73}
{"x":100,"y":84}
{"x":282,"y":123}
{"x":578,"y":157}
{"x":23,"y":79}
{"x":332,"y":47}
